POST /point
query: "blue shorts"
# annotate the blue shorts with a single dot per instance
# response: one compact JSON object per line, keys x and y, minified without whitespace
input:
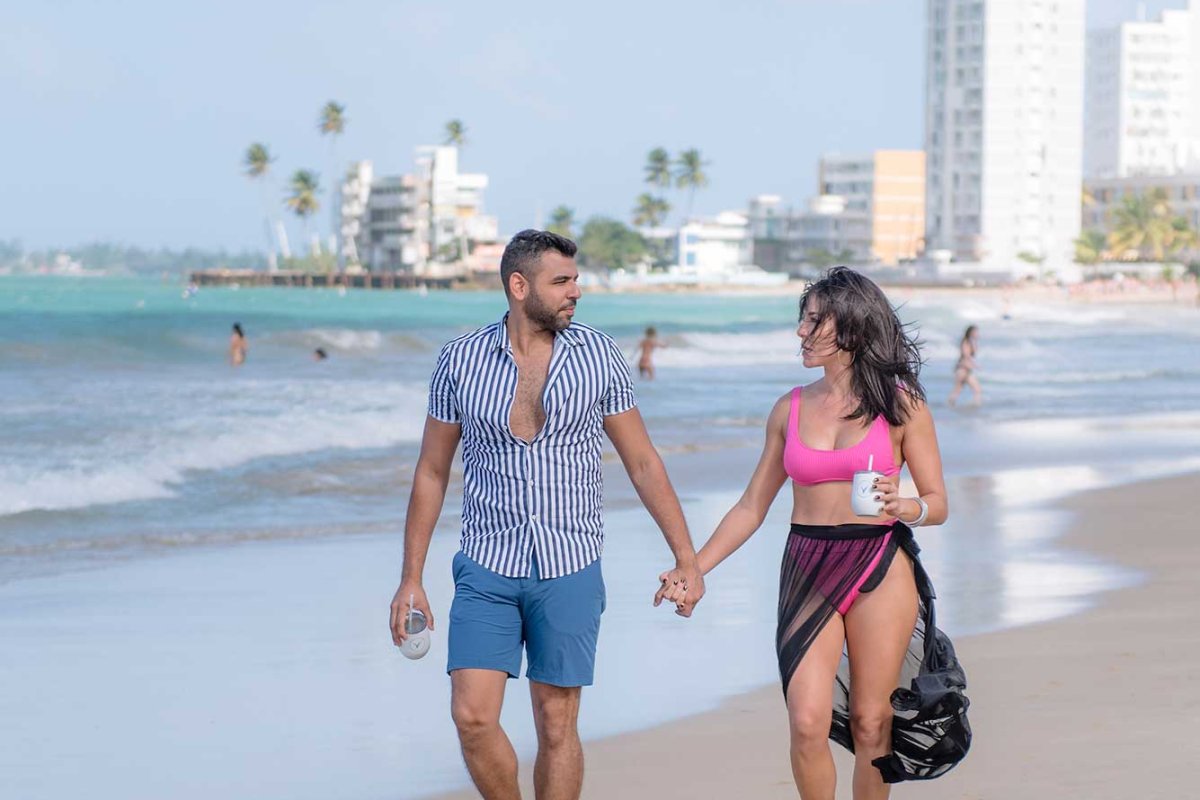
{"x":557,"y":620}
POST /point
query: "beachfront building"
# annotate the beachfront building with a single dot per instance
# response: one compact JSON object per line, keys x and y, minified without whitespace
{"x":1004,"y":131}
{"x":786,"y":240}
{"x":1102,"y":195}
{"x":769,"y":224}
{"x":425,"y":223}
{"x":356,"y":193}
{"x":704,"y":251}
{"x":831,"y":228}
{"x":710,"y":248}
{"x":1142,"y":105}
{"x":869,"y":210}
{"x":883,"y":220}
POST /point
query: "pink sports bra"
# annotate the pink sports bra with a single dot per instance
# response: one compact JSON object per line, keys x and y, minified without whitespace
{"x":808,"y":465}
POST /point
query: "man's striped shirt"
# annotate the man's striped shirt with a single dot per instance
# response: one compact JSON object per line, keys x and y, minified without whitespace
{"x":542,"y":498}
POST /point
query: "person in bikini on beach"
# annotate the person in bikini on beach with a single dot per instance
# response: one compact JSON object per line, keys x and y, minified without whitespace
{"x":846,"y":582}
{"x":964,"y":370}
{"x":531,"y":397}
{"x":237,"y":346}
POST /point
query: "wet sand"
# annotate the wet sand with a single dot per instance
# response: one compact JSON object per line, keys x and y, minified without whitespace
{"x":1101,"y":704}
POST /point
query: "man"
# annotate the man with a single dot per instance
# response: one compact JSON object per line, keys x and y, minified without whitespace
{"x":529,"y":398}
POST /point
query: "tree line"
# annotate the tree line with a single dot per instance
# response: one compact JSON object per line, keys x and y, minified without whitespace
{"x":1142,"y":227}
{"x":608,"y":243}
{"x":113,"y":257}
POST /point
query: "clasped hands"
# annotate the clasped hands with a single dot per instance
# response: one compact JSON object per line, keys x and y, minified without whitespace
{"x":683,"y":586}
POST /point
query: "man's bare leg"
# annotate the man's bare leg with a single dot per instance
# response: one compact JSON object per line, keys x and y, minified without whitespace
{"x":475,"y":701}
{"x":558,"y":771}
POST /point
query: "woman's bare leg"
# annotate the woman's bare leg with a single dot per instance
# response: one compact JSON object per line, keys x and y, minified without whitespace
{"x":879,"y":627}
{"x":973,"y":382}
{"x":810,"y":713}
{"x":959,"y":379}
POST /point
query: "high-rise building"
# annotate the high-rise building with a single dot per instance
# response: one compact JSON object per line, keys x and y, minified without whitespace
{"x":1142,"y":79}
{"x":1004,"y":129}
{"x":415,"y":222}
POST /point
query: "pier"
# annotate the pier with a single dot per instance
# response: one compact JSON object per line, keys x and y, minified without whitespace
{"x":323,"y":280}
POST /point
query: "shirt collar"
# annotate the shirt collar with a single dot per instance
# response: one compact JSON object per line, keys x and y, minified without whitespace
{"x":501,"y":339}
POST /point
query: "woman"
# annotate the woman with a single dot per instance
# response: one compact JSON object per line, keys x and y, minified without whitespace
{"x":964,"y":370}
{"x":847,"y":581}
{"x":237,"y":346}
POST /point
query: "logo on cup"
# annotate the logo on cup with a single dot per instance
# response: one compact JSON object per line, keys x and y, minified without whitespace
{"x":862,"y":498}
{"x":416,"y":628}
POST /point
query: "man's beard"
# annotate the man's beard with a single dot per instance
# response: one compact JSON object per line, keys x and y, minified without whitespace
{"x":541,"y":314}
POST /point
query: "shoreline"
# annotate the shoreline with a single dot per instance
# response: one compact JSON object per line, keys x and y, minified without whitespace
{"x":1094,"y":704}
{"x":1185,"y":292}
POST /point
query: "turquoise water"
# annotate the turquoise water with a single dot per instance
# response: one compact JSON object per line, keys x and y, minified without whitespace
{"x":126,"y":430}
{"x":195,"y":560}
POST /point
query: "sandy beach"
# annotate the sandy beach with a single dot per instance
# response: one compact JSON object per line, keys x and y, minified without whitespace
{"x":1099,"y":704}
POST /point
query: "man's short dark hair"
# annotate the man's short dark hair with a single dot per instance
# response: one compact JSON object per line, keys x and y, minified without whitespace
{"x":522,"y":253}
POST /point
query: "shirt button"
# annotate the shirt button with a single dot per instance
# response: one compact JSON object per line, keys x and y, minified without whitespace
{"x":533,"y":517}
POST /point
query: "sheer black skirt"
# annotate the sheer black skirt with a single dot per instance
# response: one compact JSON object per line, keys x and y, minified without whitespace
{"x":823,"y":566}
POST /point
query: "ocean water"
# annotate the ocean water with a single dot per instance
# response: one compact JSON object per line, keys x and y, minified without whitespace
{"x":125,"y":430}
{"x":144,"y":481}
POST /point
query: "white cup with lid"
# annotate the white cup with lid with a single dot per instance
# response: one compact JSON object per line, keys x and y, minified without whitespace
{"x":862,"y":491}
{"x":416,"y":628}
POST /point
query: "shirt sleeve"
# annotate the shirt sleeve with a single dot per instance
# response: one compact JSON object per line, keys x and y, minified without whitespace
{"x":619,"y":396}
{"x":443,"y":396}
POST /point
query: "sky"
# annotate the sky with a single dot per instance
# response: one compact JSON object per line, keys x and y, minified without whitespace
{"x":127,"y":121}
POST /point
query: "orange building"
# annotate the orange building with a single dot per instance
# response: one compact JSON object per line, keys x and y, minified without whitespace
{"x":886,"y":192}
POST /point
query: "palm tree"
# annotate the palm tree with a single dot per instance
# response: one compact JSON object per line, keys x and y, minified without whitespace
{"x":689,"y":174}
{"x":1089,"y":247}
{"x":303,"y":199}
{"x":1142,"y":226}
{"x":1183,"y":235}
{"x":562,"y":220}
{"x":456,"y":133}
{"x":658,"y":168}
{"x":650,"y":211}
{"x":332,"y":124}
{"x":257,"y":162}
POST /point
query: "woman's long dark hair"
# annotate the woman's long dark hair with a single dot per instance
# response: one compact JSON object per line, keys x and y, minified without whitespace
{"x":887,"y":359}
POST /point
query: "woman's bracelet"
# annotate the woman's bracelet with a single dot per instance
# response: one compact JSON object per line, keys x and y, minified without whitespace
{"x":920,"y":517}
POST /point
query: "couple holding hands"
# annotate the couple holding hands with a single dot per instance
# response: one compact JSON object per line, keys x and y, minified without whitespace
{"x":530,"y":397}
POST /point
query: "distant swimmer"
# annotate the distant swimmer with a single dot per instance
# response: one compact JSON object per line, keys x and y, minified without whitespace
{"x":319,"y":354}
{"x":964,"y":370}
{"x":647,"y":347}
{"x":237,"y":345}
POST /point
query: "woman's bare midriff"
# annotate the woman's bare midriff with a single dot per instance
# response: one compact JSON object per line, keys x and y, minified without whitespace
{"x":827,"y":504}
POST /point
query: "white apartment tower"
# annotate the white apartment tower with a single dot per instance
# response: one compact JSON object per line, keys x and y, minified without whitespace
{"x":1004,"y":129}
{"x":1143,"y":90}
